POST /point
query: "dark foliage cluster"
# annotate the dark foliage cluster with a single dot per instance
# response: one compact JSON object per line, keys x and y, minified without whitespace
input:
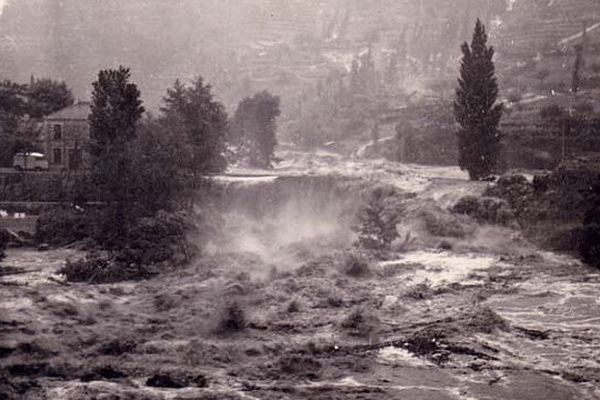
{"x":307,"y":367}
{"x":157,"y":239}
{"x":589,"y":246}
{"x":150,"y":243}
{"x":62,"y":226}
{"x":4,"y":239}
{"x":356,"y":266}
{"x":176,"y":381}
{"x":360,"y":323}
{"x":143,"y":175}
{"x":253,"y":129}
{"x":378,"y":220}
{"x":232,"y":319}
{"x":97,"y":269}
{"x":198,"y":120}
{"x":485,"y":209}
{"x":35,"y":100}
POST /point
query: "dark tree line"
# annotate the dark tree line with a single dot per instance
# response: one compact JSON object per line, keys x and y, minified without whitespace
{"x":199,"y":121}
{"x":142,"y":166}
{"x":37,"y":99}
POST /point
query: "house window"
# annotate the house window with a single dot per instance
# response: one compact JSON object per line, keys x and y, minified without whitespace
{"x":57,"y":131}
{"x":57,"y":156}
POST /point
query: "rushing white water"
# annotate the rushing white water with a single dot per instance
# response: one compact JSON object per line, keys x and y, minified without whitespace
{"x":301,"y":214}
{"x":440,"y":267}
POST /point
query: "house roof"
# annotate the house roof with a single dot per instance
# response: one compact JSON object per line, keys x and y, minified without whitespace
{"x":78,"y":111}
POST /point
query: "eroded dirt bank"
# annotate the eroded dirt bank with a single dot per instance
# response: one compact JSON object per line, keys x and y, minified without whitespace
{"x":457,"y":311}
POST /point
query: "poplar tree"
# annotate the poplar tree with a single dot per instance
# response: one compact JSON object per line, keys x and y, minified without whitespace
{"x":115,"y":110}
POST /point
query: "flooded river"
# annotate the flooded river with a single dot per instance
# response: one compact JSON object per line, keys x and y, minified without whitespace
{"x":456,"y":310}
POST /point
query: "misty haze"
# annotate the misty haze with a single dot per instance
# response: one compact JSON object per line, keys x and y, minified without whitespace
{"x":299,"y":199}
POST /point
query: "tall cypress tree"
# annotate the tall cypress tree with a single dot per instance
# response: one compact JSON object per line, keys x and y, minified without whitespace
{"x":476,"y":109}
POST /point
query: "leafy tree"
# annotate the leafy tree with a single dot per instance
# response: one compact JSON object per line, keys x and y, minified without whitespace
{"x":115,"y":111}
{"x":46,"y":96}
{"x":475,"y":108}
{"x":162,"y":159}
{"x":254,"y":128}
{"x":12,"y":110}
{"x":193,"y":111}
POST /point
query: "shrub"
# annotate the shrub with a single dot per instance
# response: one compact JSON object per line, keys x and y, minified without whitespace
{"x":64,"y":225}
{"x":176,"y":381}
{"x":377,"y":220}
{"x":484,"y":320}
{"x":151,"y":241}
{"x":356,"y":266}
{"x":360,"y":323}
{"x":421,"y":291}
{"x":97,"y":269}
{"x":486,"y":209}
{"x":440,"y":224}
{"x":232,"y":319}
{"x":298,"y":365}
{"x":513,"y":188}
{"x":4,"y":239}
{"x":155,"y":240}
{"x":293,"y":307}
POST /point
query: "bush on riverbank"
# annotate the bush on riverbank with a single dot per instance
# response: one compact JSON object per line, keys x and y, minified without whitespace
{"x":151,"y":243}
{"x":486,"y":209}
{"x":4,"y":238}
{"x":589,"y":237}
{"x":559,"y":211}
{"x":63,"y":226}
{"x":97,"y":269}
{"x":157,"y":239}
{"x":378,"y":220}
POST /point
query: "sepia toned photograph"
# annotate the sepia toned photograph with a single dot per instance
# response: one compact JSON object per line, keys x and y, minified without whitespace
{"x":299,"y":199}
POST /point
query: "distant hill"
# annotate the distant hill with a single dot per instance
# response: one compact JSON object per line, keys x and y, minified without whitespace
{"x":533,"y":26}
{"x":239,"y":45}
{"x":286,"y":46}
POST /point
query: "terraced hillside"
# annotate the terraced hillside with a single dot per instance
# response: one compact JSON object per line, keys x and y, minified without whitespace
{"x":534,"y":26}
{"x":232,"y":43}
